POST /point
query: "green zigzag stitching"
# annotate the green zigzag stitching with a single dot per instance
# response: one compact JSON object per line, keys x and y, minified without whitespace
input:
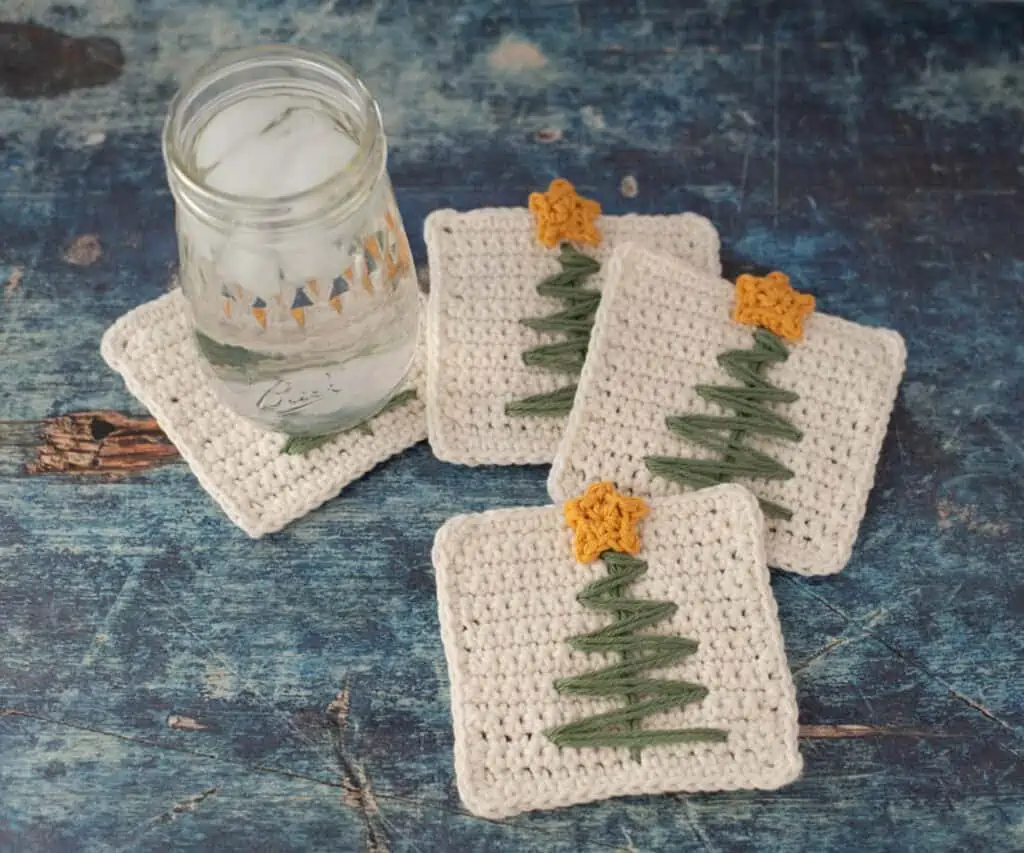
{"x":575,"y":321}
{"x":638,"y":652}
{"x":752,"y":417}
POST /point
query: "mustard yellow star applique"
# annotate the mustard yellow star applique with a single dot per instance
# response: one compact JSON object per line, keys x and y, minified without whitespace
{"x":771,"y":302}
{"x":562,"y":214}
{"x":603,"y":520}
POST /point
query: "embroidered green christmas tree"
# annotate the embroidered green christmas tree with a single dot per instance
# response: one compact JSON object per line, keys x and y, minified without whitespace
{"x":574,"y":322}
{"x":778,"y":311}
{"x":605,"y":527}
{"x":641,"y":696}
{"x":728,"y":435}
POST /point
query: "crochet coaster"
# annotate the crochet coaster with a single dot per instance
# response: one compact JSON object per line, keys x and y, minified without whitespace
{"x":655,"y":670}
{"x":485,"y":267}
{"x":691,"y":381}
{"x":260,"y":488}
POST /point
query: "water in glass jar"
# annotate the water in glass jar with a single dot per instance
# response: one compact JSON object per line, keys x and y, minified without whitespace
{"x":312,"y":330}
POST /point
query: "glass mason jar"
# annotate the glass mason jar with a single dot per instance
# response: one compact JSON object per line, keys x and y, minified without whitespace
{"x":293,"y":260}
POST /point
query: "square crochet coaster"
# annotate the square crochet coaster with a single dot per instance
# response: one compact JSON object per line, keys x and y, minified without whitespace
{"x":654,"y":353}
{"x":509,"y":596}
{"x":485,"y":266}
{"x":241,"y":465}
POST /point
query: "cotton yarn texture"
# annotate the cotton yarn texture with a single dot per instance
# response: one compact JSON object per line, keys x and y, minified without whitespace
{"x":241,"y":465}
{"x":485,"y":266}
{"x":657,"y":335}
{"x":507,"y":585}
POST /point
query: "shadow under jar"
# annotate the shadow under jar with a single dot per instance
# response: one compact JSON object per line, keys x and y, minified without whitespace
{"x":293,"y":260}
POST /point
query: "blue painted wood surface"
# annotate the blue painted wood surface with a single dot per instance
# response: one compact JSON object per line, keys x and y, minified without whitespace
{"x":167,"y":684}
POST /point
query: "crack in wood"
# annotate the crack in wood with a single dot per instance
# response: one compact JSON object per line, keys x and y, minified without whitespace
{"x":981,"y":709}
{"x":355,"y":785}
{"x":100,"y":442}
{"x":185,"y":806}
{"x":143,"y":743}
{"x":856,"y":730}
{"x":915,"y":666}
{"x":189,"y":804}
{"x":337,"y":710}
{"x":357,"y":791}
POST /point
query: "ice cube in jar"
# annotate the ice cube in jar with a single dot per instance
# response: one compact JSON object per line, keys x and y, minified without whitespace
{"x":272,"y":147}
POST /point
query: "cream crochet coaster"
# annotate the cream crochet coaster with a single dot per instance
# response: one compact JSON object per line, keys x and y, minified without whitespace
{"x":657,"y":338}
{"x":485,"y":266}
{"x":241,"y":465}
{"x":507,"y":586}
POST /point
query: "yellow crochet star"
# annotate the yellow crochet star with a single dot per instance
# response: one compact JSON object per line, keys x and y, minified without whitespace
{"x":771,"y":302}
{"x":562,"y":214}
{"x":604,"y":520}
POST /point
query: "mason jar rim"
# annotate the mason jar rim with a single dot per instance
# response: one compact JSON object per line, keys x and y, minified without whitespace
{"x":349,"y":184}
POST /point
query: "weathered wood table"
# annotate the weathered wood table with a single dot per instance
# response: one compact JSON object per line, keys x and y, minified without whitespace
{"x":168,"y":684}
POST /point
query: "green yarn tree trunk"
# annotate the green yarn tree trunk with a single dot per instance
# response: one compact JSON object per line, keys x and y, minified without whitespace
{"x":727,"y":435}
{"x":638,"y":652}
{"x":574,"y":321}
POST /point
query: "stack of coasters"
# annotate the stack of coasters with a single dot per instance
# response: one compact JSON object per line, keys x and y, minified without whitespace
{"x":636,"y":655}
{"x":496,"y":346}
{"x":690,"y":381}
{"x":259,"y":487}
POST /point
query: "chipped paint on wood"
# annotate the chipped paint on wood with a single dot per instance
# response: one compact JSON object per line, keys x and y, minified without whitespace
{"x":187,"y":724}
{"x":101,"y":442}
{"x":84,"y":250}
{"x":514,"y":54}
{"x":629,"y":187}
{"x":41,"y":62}
{"x":190,"y":804}
{"x":547,"y":135}
{"x":338,"y":707}
{"x":13,"y":281}
{"x":951,"y":515}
